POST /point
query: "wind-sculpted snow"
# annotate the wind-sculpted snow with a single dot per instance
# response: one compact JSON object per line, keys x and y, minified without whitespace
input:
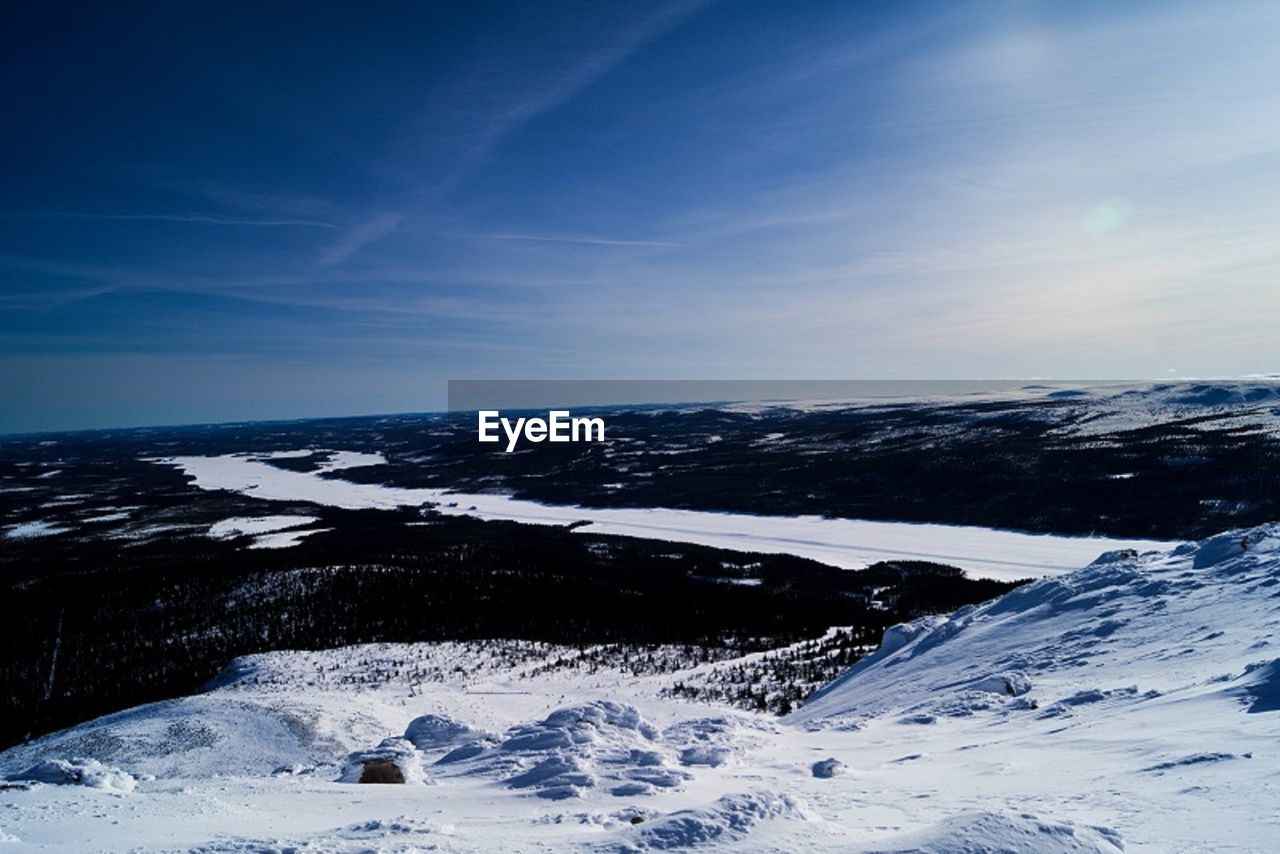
{"x":1131,"y":705}
{"x":433,"y":732}
{"x":1176,"y":618}
{"x":727,"y":820}
{"x":717,"y":741}
{"x":563,"y":744}
{"x":76,"y":772}
{"x":602,"y":744}
{"x":989,"y":833}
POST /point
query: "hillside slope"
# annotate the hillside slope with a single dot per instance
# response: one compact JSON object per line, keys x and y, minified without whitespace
{"x":1132,"y":704}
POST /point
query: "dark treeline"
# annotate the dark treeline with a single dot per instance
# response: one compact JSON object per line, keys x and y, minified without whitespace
{"x":101,"y":626}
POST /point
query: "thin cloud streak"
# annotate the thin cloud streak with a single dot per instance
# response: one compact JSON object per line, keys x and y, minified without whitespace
{"x":505,"y":121}
{"x":585,"y":73}
{"x":586,"y":240}
{"x":367,"y":232}
{"x":194,"y":219}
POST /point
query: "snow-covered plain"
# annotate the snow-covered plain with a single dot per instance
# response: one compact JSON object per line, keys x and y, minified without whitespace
{"x":1133,"y":704}
{"x":847,"y":543}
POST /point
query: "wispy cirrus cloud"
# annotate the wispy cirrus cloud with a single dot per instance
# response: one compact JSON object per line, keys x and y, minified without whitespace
{"x":511,"y":97}
{"x":356,"y":238}
{"x":580,"y":239}
{"x":566,"y":77}
{"x":190,"y":218}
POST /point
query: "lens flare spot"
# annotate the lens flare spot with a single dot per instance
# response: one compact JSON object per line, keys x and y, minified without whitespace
{"x":1107,"y":216}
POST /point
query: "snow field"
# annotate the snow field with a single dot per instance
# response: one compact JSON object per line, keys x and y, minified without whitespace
{"x":1129,"y":705}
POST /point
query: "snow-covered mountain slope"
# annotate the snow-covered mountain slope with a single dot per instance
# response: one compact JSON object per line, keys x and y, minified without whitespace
{"x":1249,"y":404}
{"x":1148,"y":685}
{"x":1132,"y":704}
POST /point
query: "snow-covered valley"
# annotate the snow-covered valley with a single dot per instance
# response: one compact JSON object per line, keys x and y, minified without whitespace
{"x":1133,"y":703}
{"x":655,"y":611}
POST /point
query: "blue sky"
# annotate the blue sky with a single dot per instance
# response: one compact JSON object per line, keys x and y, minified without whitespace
{"x":268,"y":211}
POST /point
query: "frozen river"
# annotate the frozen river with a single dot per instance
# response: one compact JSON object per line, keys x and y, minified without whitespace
{"x":848,"y":543}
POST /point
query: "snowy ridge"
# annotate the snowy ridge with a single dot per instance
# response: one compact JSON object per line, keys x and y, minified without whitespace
{"x":1130,"y":705}
{"x":1245,"y":404}
{"x":1202,"y":611}
{"x":1109,"y":407}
